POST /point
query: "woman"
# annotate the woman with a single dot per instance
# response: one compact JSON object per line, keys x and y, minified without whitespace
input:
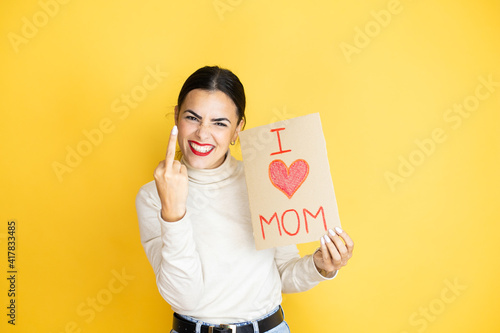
{"x":195,"y":223}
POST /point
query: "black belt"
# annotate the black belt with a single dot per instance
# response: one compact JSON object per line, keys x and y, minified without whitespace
{"x":182,"y":325}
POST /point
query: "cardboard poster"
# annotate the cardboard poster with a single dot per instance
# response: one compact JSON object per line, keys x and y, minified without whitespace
{"x":290,"y":188}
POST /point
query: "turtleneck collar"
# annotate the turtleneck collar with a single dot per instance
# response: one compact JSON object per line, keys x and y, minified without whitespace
{"x":213,"y":177}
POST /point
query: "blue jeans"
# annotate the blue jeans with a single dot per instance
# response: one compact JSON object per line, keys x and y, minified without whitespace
{"x":281,"y":328}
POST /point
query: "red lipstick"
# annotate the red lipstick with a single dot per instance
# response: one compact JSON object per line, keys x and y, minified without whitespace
{"x":202,"y":149}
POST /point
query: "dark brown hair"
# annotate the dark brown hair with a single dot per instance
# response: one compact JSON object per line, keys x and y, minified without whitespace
{"x":212,"y":78}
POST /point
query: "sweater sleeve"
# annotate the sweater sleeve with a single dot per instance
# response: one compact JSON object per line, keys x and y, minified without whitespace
{"x":171,"y":251}
{"x":297,"y":274}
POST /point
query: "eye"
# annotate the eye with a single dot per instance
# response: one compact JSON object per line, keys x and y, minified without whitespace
{"x":220,"y":124}
{"x":191,"y":118}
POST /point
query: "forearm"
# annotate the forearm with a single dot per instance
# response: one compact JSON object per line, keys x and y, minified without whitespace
{"x":297,"y":274}
{"x":179,"y":279}
{"x":172,"y":253}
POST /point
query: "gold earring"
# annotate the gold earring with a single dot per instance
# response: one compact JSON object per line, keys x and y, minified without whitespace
{"x":233,"y":142}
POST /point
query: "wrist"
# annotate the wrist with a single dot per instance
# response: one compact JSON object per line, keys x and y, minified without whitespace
{"x":172,"y":216}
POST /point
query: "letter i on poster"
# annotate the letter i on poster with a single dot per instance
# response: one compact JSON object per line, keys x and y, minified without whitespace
{"x":289,"y":184}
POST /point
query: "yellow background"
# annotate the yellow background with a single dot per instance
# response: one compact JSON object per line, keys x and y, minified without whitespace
{"x":437,"y":226}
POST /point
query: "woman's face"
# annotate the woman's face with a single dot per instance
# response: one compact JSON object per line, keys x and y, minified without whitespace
{"x":207,"y":123}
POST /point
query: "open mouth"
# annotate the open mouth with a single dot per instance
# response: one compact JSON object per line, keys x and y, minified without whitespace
{"x":200,"y":149}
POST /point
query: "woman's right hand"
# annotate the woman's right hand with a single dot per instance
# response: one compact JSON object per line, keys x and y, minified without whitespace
{"x":172,"y":183}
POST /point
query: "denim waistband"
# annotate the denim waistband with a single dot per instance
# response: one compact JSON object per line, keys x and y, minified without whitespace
{"x":254,"y":322}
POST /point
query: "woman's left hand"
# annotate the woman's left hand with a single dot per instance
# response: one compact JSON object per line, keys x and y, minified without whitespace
{"x":336,"y":249}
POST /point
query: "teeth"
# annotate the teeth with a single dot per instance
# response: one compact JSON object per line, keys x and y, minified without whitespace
{"x":201,"y":149}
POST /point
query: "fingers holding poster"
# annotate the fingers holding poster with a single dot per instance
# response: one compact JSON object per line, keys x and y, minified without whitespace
{"x":290,"y":189}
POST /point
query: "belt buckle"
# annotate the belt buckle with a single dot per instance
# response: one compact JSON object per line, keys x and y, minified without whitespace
{"x":222,"y":328}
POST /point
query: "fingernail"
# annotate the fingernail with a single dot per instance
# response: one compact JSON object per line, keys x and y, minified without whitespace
{"x":338,"y":230}
{"x":322,"y":241}
{"x":175,"y":130}
{"x":331,"y":232}
{"x":327,"y":239}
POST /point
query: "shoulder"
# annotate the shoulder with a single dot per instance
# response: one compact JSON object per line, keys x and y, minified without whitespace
{"x":147,"y":192}
{"x":148,"y":187}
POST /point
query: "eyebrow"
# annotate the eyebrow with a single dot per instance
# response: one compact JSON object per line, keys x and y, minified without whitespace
{"x":200,"y":117}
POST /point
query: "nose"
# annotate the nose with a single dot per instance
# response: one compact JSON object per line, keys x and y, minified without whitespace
{"x":203,"y":131}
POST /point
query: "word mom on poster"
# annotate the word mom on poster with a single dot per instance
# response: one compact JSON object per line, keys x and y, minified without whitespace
{"x":290,"y":188}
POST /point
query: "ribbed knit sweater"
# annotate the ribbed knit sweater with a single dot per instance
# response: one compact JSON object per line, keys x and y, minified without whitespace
{"x":206,"y":264}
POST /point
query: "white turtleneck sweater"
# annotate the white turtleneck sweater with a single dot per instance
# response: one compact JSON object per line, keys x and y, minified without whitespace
{"x":206,"y":264}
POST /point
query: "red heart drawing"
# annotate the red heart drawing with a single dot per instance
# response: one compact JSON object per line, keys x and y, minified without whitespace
{"x":288,"y":180}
